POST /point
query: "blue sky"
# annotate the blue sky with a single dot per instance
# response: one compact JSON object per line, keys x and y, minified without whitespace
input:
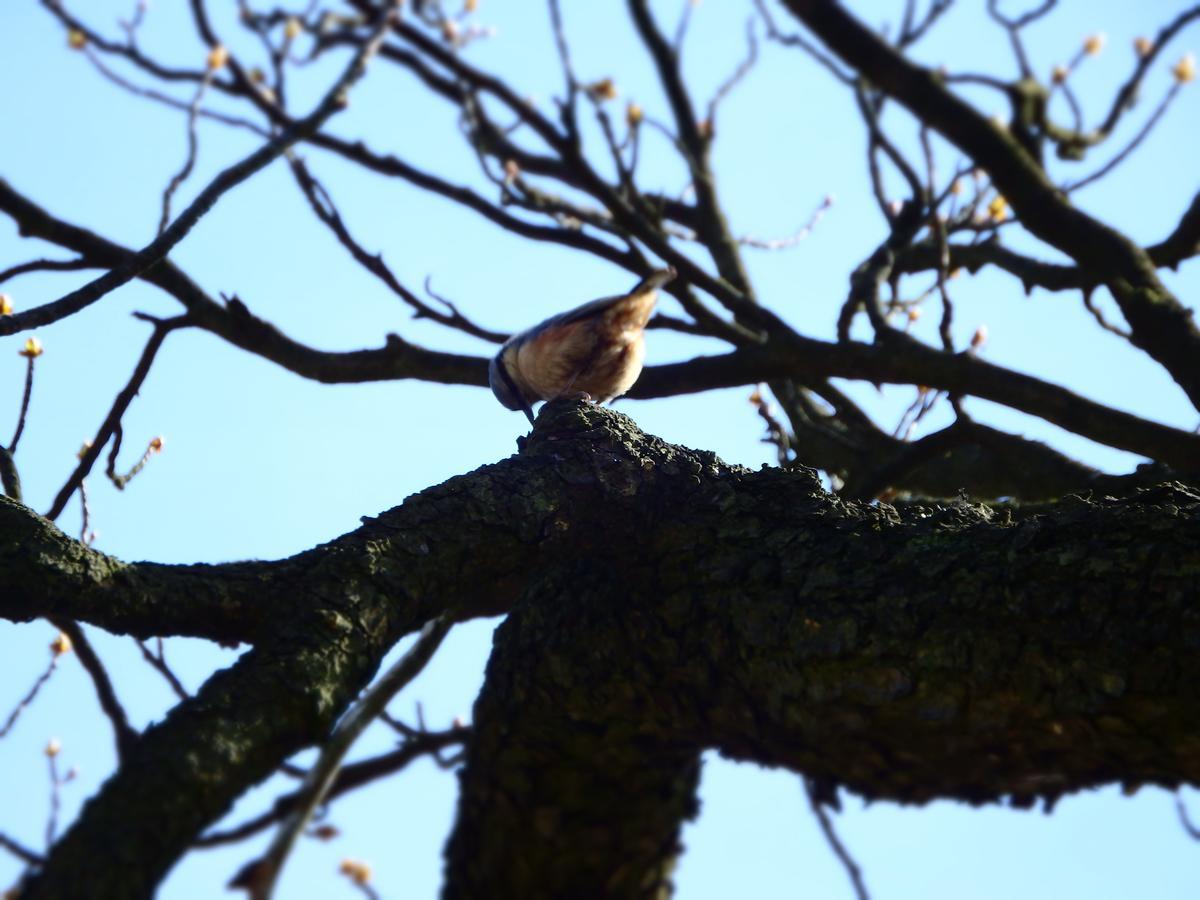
{"x":260,"y":463}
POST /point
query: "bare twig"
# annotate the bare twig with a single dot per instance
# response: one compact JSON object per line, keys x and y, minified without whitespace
{"x":44,"y":265}
{"x":92,"y":451}
{"x":796,"y":40}
{"x":192,"y":145}
{"x":1184,"y":820}
{"x":333,"y":101}
{"x":853,"y":870}
{"x":912,"y":31}
{"x":1073,"y":143}
{"x":169,"y":101}
{"x":1089,"y":303}
{"x":26,"y":396}
{"x":681,"y":29}
{"x":153,"y":447}
{"x":56,"y":784}
{"x":20,"y":851}
{"x":323,"y":206}
{"x":938,"y":228}
{"x":123,"y":732}
{"x":263,"y":874}
{"x":1132,"y":145}
{"x":799,"y":235}
{"x":87,"y":534}
{"x":416,"y":743}
{"x":736,"y":77}
{"x":158,"y":660}
{"x":920,"y":407}
{"x":131,"y":26}
{"x":29,"y":697}
{"x":564,"y":57}
{"x":1013,"y":26}
{"x":777,"y":435}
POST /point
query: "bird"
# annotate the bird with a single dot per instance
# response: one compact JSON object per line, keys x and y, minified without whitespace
{"x":595,"y":350}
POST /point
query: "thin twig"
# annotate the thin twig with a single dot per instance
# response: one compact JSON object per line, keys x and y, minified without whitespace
{"x":55,"y":798}
{"x":938,"y":228}
{"x":920,"y":407}
{"x":835,"y":844}
{"x":169,"y":101}
{"x":267,"y":869}
{"x":26,"y":396}
{"x":323,"y":206}
{"x":192,"y":146}
{"x":1132,"y":145}
{"x":1089,"y":304}
{"x":123,"y":733}
{"x":1125,"y":98}
{"x":20,"y":851}
{"x":158,"y":660}
{"x":681,"y":29}
{"x":333,"y":101}
{"x":416,"y":743}
{"x":1013,"y":27}
{"x":92,"y":451}
{"x":564,"y":56}
{"x":736,"y":77}
{"x":795,"y":40}
{"x":45,"y":265}
{"x":797,"y":237}
{"x":910,"y":33}
{"x":29,"y":697}
{"x":1184,"y":820}
{"x":153,"y":447}
{"x":85,"y":525}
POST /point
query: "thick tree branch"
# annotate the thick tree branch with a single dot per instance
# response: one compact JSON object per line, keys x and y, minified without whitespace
{"x":930,"y":653}
{"x":43,"y":572}
{"x":187,"y":771}
{"x":902,"y":641}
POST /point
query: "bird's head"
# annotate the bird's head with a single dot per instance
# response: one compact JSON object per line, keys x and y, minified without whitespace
{"x":503,"y":381}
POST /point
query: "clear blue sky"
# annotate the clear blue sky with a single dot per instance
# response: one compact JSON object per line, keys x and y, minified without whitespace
{"x":260,"y":463}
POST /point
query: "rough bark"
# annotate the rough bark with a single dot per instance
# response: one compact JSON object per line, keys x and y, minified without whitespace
{"x":661,"y":603}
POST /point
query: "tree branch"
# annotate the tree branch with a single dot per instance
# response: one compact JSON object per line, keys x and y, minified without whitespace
{"x":1160,"y":324}
{"x":865,"y":646}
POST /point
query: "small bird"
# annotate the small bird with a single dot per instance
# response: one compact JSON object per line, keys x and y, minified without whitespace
{"x":596,"y":349}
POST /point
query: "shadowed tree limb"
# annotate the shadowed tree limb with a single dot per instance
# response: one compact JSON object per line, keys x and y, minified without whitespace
{"x":595,"y":691}
{"x":789,"y":355}
{"x":188,"y":770}
{"x":662,"y":603}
